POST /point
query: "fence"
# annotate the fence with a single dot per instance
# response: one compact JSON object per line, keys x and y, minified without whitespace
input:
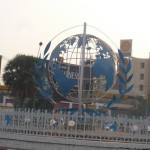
{"x":123,"y":129}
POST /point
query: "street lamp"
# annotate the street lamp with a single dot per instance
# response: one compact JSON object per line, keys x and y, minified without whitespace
{"x":40,"y":44}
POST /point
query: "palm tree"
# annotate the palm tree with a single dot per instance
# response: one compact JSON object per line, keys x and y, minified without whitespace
{"x":18,"y":75}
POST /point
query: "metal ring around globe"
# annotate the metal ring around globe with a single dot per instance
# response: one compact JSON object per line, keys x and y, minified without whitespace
{"x":99,"y":68}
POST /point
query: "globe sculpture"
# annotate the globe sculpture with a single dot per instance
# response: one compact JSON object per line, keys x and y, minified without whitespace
{"x":82,"y":73}
{"x":83,"y":68}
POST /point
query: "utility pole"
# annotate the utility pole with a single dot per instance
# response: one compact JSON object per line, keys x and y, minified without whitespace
{"x":148,"y":97}
{"x":0,"y":67}
{"x":0,"y":63}
{"x":148,"y":90}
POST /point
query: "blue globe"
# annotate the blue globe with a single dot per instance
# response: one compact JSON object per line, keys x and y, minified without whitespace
{"x":86,"y":76}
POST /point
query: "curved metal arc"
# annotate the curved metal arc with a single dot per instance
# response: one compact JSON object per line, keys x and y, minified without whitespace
{"x":65,"y":30}
{"x":103,"y":33}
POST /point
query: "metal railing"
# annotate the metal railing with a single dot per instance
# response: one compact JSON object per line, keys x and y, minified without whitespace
{"x":65,"y":125}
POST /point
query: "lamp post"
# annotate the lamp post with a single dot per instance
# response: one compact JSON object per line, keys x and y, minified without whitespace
{"x":148,"y":98}
{"x":40,"y":44}
{"x":0,"y":63}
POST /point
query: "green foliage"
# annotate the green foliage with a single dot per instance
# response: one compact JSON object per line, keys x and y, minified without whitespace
{"x":42,"y":104}
{"x":141,"y":107}
{"x":18,"y":75}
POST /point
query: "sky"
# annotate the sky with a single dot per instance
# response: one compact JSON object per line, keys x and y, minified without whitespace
{"x":25,"y":23}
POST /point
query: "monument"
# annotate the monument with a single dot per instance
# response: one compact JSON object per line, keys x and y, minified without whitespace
{"x":82,"y":68}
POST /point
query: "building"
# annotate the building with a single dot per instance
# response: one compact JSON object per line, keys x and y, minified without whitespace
{"x":141,"y":81}
{"x":6,"y":100}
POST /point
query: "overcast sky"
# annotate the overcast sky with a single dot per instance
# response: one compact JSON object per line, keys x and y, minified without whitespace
{"x":25,"y":23}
